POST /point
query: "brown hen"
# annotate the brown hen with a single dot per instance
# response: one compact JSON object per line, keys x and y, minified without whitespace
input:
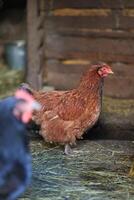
{"x":66,"y":115}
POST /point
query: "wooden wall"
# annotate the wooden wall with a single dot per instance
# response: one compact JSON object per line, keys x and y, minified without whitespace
{"x":79,"y":32}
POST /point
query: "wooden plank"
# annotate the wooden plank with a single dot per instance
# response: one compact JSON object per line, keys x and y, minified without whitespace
{"x":126,"y":22}
{"x":96,"y":22}
{"x":81,"y":44}
{"x":123,"y":70}
{"x":81,"y":12}
{"x":40,"y":21}
{"x":41,"y":52}
{"x":45,"y":5}
{"x":63,"y":81}
{"x":92,"y":4}
{"x":128,"y":4}
{"x":119,"y":87}
{"x":60,"y":67}
{"x":41,"y":5}
{"x":40,"y":34}
{"x":80,"y":47}
{"x":33,"y":75}
{"x":101,"y":33}
{"x":94,"y":57}
{"x":114,"y":4}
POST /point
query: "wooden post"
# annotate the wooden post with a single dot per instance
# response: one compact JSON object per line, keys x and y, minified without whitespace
{"x":34,"y":45}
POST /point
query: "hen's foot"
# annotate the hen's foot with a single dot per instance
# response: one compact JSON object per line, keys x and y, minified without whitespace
{"x":68,"y":149}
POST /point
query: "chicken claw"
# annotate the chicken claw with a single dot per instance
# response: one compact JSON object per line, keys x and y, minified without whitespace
{"x":68,"y":150}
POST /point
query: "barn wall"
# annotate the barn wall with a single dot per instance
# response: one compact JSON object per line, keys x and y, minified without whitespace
{"x":84,"y":31}
{"x":11,"y":27}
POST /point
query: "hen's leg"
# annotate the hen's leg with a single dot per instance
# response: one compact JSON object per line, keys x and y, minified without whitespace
{"x":68,"y":149}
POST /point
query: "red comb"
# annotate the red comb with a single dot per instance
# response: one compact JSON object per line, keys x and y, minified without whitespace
{"x":21,"y":94}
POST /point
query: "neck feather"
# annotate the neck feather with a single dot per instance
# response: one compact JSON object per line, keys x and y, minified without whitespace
{"x":91,"y":82}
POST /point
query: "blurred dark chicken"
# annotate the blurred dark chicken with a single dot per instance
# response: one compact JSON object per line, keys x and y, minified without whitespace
{"x":15,"y":160}
{"x":66,"y":115}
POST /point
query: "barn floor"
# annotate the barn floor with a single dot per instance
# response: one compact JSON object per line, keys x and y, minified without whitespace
{"x":99,"y":166}
{"x":95,"y":170}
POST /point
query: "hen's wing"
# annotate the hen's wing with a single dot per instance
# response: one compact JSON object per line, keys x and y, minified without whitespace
{"x":68,"y":105}
{"x":48,"y":100}
{"x":55,"y":129}
{"x":71,"y":106}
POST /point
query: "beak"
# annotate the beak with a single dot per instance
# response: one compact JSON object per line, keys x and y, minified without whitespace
{"x":110,"y":71}
{"x":35,"y":105}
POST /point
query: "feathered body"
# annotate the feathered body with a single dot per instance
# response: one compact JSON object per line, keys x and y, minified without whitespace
{"x":65,"y":115}
{"x":15,"y":159}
